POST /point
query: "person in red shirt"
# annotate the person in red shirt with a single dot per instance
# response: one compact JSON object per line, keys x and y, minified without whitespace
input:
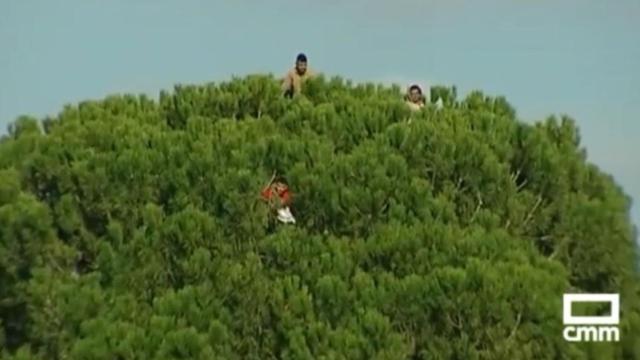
{"x":278,"y":194}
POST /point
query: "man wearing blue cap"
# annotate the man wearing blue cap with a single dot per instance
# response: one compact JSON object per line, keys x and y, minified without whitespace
{"x":292,"y":84}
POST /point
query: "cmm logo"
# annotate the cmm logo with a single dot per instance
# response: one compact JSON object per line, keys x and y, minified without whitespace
{"x":591,"y":328}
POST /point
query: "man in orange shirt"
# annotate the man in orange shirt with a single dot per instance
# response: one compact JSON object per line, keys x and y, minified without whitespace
{"x":293,"y":80}
{"x":277,"y":193}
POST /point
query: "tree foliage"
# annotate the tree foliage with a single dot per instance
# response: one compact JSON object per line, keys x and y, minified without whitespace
{"x":132,"y":228}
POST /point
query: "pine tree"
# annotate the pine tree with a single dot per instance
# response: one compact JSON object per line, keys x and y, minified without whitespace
{"x":133,"y":228}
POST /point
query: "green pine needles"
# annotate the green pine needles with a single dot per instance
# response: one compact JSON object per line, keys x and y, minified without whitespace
{"x":132,"y":228}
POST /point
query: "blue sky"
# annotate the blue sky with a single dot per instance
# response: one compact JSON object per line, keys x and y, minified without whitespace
{"x":578,"y":57}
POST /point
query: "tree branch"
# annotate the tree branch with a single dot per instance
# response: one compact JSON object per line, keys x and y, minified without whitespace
{"x":514,"y":178}
{"x":515,"y":328}
{"x":459,"y":184}
{"x":515,"y":175}
{"x":530,"y":215}
{"x":480,"y":203}
{"x":521,"y":185}
{"x":453,"y":323}
{"x":545,"y":238}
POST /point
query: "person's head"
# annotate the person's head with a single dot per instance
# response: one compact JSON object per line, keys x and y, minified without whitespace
{"x":301,"y":63}
{"x":280,"y":184}
{"x":415,"y":94}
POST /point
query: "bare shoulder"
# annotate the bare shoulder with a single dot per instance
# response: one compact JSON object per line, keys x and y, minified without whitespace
{"x":291,"y":72}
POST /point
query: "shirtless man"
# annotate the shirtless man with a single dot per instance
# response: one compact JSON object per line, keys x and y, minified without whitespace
{"x":292,"y":84}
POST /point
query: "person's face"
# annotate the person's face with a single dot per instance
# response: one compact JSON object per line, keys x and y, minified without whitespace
{"x":415,"y":96}
{"x":279,"y":187}
{"x":301,"y":67}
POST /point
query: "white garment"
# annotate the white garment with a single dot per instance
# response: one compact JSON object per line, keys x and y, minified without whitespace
{"x":285,"y":216}
{"x":439,"y":103}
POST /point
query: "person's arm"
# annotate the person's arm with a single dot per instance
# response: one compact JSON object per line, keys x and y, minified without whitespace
{"x":266,"y":193}
{"x":287,"y":83}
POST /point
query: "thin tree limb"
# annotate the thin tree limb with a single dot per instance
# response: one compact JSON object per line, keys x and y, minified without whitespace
{"x":515,"y":328}
{"x":530,"y":214}
{"x":521,"y":186}
{"x":480,"y":203}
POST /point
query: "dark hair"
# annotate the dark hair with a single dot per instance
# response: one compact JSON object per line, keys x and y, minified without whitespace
{"x":280,"y":179}
{"x":415,"y":87}
{"x":301,"y":58}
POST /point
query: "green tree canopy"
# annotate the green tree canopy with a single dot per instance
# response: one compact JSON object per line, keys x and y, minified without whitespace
{"x":133,"y":229}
